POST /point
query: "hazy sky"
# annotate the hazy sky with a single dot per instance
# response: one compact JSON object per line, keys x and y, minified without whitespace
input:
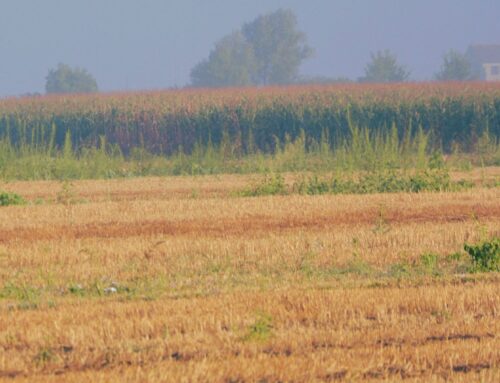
{"x":152,"y":44}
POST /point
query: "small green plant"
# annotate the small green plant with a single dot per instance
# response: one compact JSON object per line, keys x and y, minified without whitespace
{"x":429,"y":264}
{"x":261,"y":329}
{"x":76,"y":289}
{"x":454,"y":257}
{"x":400,"y":270}
{"x":7,"y":199}
{"x":485,"y":256}
{"x":312,"y":186}
{"x":436,"y":161}
{"x":28,"y":296}
{"x":44,"y":356}
{"x":273,"y":184}
{"x":429,"y":260}
{"x":441,"y":315}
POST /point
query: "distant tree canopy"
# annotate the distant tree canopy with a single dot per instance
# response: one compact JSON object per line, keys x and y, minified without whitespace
{"x":455,"y":67}
{"x":231,"y":63}
{"x":384,"y":67}
{"x":65,"y":79}
{"x":268,"y":50}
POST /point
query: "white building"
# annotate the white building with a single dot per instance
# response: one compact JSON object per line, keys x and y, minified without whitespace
{"x":485,"y":61}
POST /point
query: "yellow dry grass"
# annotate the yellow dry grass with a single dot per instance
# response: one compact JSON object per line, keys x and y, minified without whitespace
{"x":175,"y":279}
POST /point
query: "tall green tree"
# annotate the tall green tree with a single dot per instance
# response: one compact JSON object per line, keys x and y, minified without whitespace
{"x":65,"y":79}
{"x":455,"y":67}
{"x":231,"y":63}
{"x":268,"y":50}
{"x":384,"y":67}
{"x":279,"y":47}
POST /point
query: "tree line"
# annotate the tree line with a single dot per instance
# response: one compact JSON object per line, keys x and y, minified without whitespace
{"x":266,"y":51}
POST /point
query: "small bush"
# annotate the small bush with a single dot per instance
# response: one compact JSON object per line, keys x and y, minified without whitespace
{"x":383,"y":182}
{"x":389,"y":181}
{"x":312,"y":186}
{"x":273,"y":184}
{"x":485,"y":255}
{"x":7,"y":199}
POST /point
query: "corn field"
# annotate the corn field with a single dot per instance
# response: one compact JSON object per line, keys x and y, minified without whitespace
{"x":253,"y":119}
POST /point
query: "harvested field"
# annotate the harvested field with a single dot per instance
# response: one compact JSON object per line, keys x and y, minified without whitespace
{"x":178,"y":279}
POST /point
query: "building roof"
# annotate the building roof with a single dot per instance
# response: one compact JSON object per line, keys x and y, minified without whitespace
{"x":484,"y":53}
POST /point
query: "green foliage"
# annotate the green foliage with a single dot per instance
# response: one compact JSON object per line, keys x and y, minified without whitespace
{"x":487,"y":148}
{"x":261,"y":329}
{"x":268,"y":50}
{"x":273,"y":184}
{"x":485,"y":256}
{"x":385,"y":181}
{"x":378,"y":170}
{"x":455,"y":67}
{"x":76,"y":289}
{"x":429,"y":264}
{"x":7,"y":199}
{"x":380,"y":157}
{"x":65,"y":79}
{"x":231,"y":63}
{"x":400,"y":270}
{"x":381,"y":181}
{"x":279,"y":47}
{"x":384,"y":67}
{"x":312,"y":186}
{"x":436,"y":161}
{"x":442,"y":116}
{"x":28,"y":296}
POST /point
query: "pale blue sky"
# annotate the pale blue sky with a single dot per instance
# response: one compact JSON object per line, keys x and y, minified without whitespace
{"x":152,"y":44}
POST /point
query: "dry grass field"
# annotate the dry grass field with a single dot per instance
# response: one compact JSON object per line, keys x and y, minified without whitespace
{"x":180,"y":280}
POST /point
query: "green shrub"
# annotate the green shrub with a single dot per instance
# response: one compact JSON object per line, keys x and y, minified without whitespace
{"x":7,"y":199}
{"x":312,"y":186}
{"x":273,"y":184}
{"x":485,"y":255}
{"x":390,"y":181}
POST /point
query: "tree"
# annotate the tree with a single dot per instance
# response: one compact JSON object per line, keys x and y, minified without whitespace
{"x":268,"y":50}
{"x":65,"y":79}
{"x":455,"y":67}
{"x":278,"y":45}
{"x":384,"y":67}
{"x":231,"y":63}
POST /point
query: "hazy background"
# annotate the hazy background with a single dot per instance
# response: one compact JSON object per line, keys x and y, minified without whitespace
{"x":152,"y":44}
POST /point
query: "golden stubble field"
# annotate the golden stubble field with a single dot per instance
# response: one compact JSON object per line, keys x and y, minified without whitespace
{"x":178,"y":279}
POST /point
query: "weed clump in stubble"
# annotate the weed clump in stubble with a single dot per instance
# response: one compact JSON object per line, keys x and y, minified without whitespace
{"x":261,"y":329}
{"x":7,"y":199}
{"x":485,"y":256}
{"x":384,"y":181}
